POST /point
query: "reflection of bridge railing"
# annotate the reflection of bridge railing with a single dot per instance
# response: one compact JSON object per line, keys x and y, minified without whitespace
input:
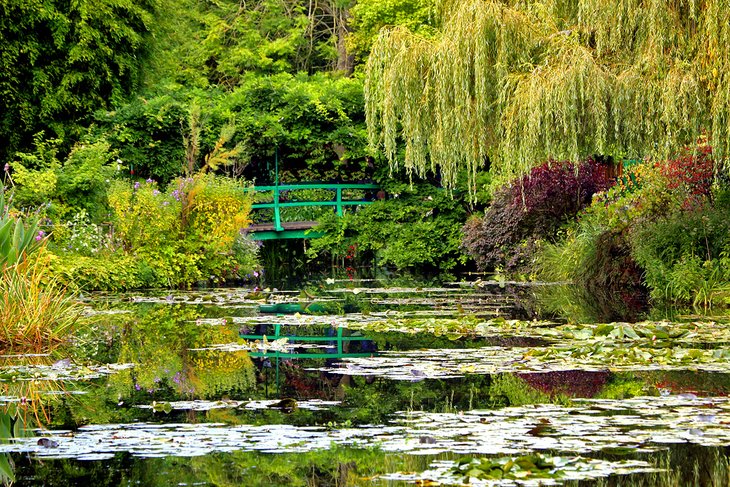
{"x":328,"y":342}
{"x":300,"y":229}
{"x":334,"y":348}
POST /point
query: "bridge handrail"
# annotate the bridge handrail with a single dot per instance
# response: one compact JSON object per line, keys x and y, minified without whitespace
{"x":338,"y":202}
{"x":289,"y":187}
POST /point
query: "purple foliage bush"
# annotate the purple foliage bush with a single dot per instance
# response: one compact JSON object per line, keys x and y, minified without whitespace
{"x":529,"y":209}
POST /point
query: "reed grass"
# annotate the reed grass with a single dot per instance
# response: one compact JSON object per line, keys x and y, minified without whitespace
{"x":35,"y":312}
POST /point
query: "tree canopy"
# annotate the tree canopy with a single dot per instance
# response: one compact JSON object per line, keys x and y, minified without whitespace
{"x":516,"y":83}
{"x":60,"y":61}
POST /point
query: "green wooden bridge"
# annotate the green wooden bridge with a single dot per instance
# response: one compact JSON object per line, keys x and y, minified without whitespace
{"x":278,"y":229}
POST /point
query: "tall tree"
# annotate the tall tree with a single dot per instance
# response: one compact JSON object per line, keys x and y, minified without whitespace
{"x":369,"y":16}
{"x":269,"y":37}
{"x":61,"y":60}
{"x":520,"y":82}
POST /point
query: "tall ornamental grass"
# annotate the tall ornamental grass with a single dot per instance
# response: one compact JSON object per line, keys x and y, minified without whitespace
{"x":35,"y":312}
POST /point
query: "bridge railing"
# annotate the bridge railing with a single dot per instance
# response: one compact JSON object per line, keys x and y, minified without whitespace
{"x":338,"y":202}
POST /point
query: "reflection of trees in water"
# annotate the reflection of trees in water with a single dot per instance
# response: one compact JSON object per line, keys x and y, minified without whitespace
{"x":27,"y":404}
{"x":158,"y":341}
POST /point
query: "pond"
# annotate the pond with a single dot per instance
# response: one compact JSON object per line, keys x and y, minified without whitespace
{"x":346,"y":385}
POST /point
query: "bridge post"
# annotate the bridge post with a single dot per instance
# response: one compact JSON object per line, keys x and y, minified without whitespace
{"x":277,"y":216}
{"x":340,"y":212}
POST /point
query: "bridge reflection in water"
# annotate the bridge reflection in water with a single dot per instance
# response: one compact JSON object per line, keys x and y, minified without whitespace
{"x":313,"y":342}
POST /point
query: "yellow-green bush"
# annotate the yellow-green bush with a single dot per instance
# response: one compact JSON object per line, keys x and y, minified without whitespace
{"x":175,"y":238}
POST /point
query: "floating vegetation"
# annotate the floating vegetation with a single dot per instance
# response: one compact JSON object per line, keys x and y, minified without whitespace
{"x":59,"y":371}
{"x":213,"y":321}
{"x":264,"y":345}
{"x":452,"y":363}
{"x":298,"y":319}
{"x":183,"y":360}
{"x":89,"y":312}
{"x":400,"y":290}
{"x":639,"y":425}
{"x":467,"y":326}
{"x":647,"y":333}
{"x":527,"y":470}
{"x":200,"y":405}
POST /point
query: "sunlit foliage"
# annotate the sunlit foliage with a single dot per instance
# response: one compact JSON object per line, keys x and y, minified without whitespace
{"x":516,"y":83}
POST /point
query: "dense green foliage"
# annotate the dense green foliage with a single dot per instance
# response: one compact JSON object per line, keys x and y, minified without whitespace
{"x":77,"y":184}
{"x":60,"y":61}
{"x":105,"y":95}
{"x":417,"y":229}
{"x":188,"y":234}
{"x":315,"y":122}
{"x":663,"y":231}
{"x":370,"y":16}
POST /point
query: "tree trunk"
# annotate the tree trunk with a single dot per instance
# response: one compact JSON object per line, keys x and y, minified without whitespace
{"x":345,"y":60}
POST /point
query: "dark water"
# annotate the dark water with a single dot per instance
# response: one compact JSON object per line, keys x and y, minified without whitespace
{"x":376,"y":387}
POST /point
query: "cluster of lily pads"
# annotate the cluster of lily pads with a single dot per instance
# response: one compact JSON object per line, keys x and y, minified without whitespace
{"x":645,"y":332}
{"x":499,"y":446}
{"x":526,"y":470}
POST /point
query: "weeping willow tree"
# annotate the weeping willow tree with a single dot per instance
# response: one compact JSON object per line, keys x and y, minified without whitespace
{"x":521,"y":82}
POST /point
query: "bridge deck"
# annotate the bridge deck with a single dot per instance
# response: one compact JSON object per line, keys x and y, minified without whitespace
{"x":270,"y":227}
{"x":268,"y":231}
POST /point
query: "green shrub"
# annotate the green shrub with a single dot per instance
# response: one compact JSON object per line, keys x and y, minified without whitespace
{"x":103,"y":272}
{"x":189,"y":234}
{"x":685,"y":255}
{"x":416,"y":230}
{"x":79,"y":235}
{"x":662,"y":232}
{"x":77,"y":184}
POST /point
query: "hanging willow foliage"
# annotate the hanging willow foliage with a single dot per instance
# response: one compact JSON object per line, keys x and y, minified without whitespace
{"x":520,"y":82}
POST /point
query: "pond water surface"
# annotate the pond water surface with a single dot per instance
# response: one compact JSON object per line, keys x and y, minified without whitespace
{"x":366,"y":386}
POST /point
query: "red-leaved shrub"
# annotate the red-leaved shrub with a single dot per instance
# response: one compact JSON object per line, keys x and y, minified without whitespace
{"x":693,"y":172}
{"x":529,"y":209}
